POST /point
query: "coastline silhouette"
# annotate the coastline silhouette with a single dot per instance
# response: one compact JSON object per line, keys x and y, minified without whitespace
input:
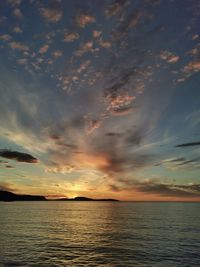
{"x":9,"y":196}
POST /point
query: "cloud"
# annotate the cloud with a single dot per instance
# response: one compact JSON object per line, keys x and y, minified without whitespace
{"x":181,"y":162}
{"x":84,"y":19}
{"x":92,"y":124}
{"x":5,"y":186}
{"x":105,"y":44}
{"x":57,"y":54}
{"x":96,"y":34}
{"x":169,"y":190}
{"x":14,"y":2}
{"x":66,"y":145}
{"x":17,"y":12}
{"x":120,"y":155}
{"x":17,"y":29}
{"x":169,"y":57}
{"x":192,"y":66}
{"x":84,"y":66}
{"x":115,"y":8}
{"x":118,"y":163}
{"x":189,"y":144}
{"x":156,"y":188}
{"x":56,"y":168}
{"x":119,"y":103}
{"x":44,"y":49}
{"x":5,"y":37}
{"x":195,"y":37}
{"x":87,"y":47}
{"x":52,"y":15}
{"x":3,"y":162}
{"x":18,"y":156}
{"x":9,"y":167}
{"x":122,"y":111}
{"x":70,"y":37}
{"x":110,"y":134}
{"x":18,"y":46}
{"x":22,"y":61}
{"x":130,"y":22}
{"x":134,"y":138}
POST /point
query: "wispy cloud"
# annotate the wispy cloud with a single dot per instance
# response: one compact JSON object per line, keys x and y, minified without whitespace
{"x":170,"y":190}
{"x":152,"y":187}
{"x":189,"y":144}
{"x":181,"y":162}
{"x":5,"y":186}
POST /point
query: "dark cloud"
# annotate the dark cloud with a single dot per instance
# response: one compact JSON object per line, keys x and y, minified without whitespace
{"x":72,"y":146}
{"x":181,"y":159}
{"x":122,"y":111}
{"x":189,"y":144}
{"x":182,"y":162}
{"x":161,"y":189}
{"x":3,"y":162}
{"x":131,"y":21}
{"x":113,"y":134}
{"x":9,"y":166}
{"x":170,"y":190}
{"x":114,"y":188}
{"x":134,"y":138}
{"x":18,"y":156}
{"x":119,"y":162}
{"x":115,"y":8}
{"x":55,"y":137}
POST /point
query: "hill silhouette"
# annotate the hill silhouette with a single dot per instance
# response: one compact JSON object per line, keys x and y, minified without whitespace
{"x":9,"y":196}
{"x":86,"y":199}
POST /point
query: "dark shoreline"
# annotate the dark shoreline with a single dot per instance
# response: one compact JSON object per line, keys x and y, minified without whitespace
{"x":9,"y":197}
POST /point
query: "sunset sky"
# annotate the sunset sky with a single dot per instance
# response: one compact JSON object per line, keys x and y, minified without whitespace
{"x":100,"y":98}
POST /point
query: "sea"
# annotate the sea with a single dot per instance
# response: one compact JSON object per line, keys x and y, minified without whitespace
{"x":58,"y":233}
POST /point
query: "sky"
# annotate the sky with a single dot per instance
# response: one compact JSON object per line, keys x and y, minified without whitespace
{"x":100,"y":98}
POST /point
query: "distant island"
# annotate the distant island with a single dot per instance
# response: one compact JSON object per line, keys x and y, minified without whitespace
{"x":9,"y":196}
{"x":85,"y":199}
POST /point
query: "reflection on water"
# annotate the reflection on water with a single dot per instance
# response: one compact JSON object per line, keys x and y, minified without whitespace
{"x":99,"y":234}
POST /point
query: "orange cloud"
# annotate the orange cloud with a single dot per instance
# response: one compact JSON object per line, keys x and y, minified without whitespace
{"x":57,"y":53}
{"x":193,"y":66}
{"x":83,"y":20}
{"x":169,"y":57}
{"x":51,"y":14}
{"x":44,"y":49}
{"x":5,"y":37}
{"x":18,"y":46}
{"x":70,"y":37}
{"x":119,"y":102}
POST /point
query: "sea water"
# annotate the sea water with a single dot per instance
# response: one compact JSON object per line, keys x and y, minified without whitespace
{"x":58,"y":233}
